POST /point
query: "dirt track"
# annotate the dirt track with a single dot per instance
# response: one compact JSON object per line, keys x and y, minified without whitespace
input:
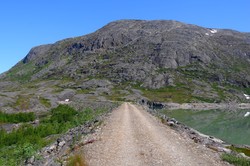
{"x":132,"y":137}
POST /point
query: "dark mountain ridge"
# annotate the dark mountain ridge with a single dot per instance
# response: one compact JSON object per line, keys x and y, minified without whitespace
{"x":160,"y":57}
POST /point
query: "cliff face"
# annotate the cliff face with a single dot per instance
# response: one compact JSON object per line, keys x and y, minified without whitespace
{"x":148,"y":55}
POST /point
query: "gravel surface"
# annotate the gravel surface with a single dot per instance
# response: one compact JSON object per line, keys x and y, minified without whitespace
{"x":133,"y":137}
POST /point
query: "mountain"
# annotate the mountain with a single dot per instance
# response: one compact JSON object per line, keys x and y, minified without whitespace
{"x":165,"y":61}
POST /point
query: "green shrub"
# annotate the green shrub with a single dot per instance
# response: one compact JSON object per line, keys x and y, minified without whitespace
{"x":238,"y":161}
{"x":63,"y":113}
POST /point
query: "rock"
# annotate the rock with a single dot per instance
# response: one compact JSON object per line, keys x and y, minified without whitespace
{"x":66,"y":95}
{"x":173,"y":120}
{"x":247,"y":114}
{"x":51,"y":149}
{"x":226,"y":150}
{"x":170,"y":123}
{"x":158,"y":81}
{"x":67,"y":138}
{"x":144,"y":55}
{"x":35,"y":122}
{"x":30,"y":161}
{"x":243,"y":155}
{"x":62,"y":143}
{"x":59,"y":140}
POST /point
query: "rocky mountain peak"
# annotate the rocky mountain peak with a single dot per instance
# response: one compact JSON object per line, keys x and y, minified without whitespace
{"x":150,"y":54}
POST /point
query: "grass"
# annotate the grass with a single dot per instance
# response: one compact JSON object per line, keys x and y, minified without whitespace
{"x":219,"y":91}
{"x":240,"y":150}
{"x":194,"y":70}
{"x":77,"y":160}
{"x":45,"y":102}
{"x":32,"y":138}
{"x":116,"y":96}
{"x":169,"y":94}
{"x":238,"y":161}
{"x":3,"y":95}
{"x":15,"y":75}
{"x":22,"y":102}
{"x":206,"y":100}
{"x":57,"y":89}
{"x":17,"y":117}
{"x":247,"y":90}
{"x":23,"y":72}
{"x":116,"y":93}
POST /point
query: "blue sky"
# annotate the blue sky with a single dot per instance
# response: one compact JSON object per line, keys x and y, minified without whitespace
{"x":28,"y":23}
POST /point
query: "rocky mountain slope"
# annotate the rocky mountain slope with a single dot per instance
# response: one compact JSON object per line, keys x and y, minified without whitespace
{"x":166,"y":61}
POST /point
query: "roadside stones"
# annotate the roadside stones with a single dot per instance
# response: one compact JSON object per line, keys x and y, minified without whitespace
{"x":60,"y":143}
{"x":171,"y":122}
{"x":30,"y":161}
{"x":51,"y":149}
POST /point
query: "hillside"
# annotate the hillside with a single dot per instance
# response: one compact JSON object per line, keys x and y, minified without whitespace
{"x":165,"y":61}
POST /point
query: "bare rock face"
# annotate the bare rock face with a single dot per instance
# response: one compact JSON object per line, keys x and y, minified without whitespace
{"x":36,"y":53}
{"x":158,"y":81}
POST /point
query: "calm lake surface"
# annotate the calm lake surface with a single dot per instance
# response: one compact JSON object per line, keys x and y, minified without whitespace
{"x":230,"y":126}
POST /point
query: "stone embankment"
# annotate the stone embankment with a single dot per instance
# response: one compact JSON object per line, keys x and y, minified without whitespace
{"x":195,"y":106}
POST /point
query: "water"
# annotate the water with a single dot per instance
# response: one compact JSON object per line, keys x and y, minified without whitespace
{"x":230,"y":126}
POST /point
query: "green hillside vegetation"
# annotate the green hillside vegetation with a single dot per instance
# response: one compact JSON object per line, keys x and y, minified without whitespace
{"x":26,"y":140}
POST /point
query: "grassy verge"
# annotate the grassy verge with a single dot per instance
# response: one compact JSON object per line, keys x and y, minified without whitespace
{"x":238,"y":161}
{"x":25,"y":141}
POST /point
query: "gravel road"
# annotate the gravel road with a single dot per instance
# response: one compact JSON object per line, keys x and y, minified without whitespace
{"x":133,"y":137}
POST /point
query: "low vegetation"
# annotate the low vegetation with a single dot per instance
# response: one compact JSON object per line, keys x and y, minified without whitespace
{"x":23,"y":102}
{"x":246,"y":151}
{"x":77,"y":160}
{"x":233,"y":159}
{"x":23,"y":142}
{"x":17,"y":117}
{"x":45,"y":102}
{"x":168,"y":94}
